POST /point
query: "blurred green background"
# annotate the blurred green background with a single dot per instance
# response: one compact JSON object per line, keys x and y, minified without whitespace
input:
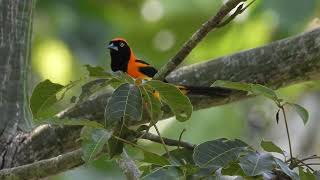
{"x":69,"y":34}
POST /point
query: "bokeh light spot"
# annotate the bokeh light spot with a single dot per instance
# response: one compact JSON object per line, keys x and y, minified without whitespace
{"x":164,"y":40}
{"x":152,"y":10}
{"x":52,"y":60}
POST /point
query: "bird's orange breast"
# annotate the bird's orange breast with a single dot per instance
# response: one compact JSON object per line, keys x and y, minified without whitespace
{"x":133,"y":68}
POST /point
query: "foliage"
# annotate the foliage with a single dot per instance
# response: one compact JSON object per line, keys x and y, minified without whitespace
{"x":132,"y":98}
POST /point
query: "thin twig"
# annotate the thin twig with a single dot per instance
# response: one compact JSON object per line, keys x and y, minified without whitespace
{"x":208,"y":26}
{"x":239,"y":10}
{"x":287,"y":130}
{"x":128,"y":142}
{"x":310,"y":158}
{"x":162,"y":142}
{"x":180,"y":137}
{"x":313,"y":164}
{"x":167,"y":141}
{"x":303,"y":164}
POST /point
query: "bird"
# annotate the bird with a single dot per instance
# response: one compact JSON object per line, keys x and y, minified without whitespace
{"x":123,"y":59}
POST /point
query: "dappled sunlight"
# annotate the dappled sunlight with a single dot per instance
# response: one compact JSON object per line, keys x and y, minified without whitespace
{"x":53,"y":60}
{"x":152,"y":10}
{"x":164,"y":40}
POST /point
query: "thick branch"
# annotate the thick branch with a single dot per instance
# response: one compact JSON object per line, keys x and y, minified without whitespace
{"x":208,"y":26}
{"x":44,"y":168}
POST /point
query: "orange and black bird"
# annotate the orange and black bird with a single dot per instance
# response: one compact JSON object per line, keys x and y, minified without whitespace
{"x":123,"y":59}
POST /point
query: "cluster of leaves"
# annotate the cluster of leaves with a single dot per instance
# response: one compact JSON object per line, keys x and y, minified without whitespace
{"x":134,"y":100}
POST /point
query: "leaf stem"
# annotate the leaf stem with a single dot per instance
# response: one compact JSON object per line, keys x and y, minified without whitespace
{"x":163,"y":143}
{"x":288,"y":133}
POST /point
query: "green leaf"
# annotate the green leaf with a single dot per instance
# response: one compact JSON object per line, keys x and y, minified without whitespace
{"x":259,"y":89}
{"x":180,"y":157}
{"x":93,"y":146}
{"x":233,"y":169}
{"x":303,"y":113}
{"x":153,"y":158}
{"x":97,"y":71}
{"x":218,"y":153}
{"x":232,"y":85}
{"x":285,"y":168}
{"x":255,"y":163}
{"x":174,"y":98}
{"x":125,"y":104}
{"x":74,"y":122}
{"x":92,"y":87}
{"x":153,"y":103}
{"x":270,"y":147}
{"x":115,"y":147}
{"x":306,"y":175}
{"x":43,"y":96}
{"x":166,"y":172}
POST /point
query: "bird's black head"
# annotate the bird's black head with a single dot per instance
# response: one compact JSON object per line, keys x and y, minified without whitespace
{"x":120,"y":53}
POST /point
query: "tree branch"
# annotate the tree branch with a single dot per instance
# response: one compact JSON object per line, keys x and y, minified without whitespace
{"x":44,"y":168}
{"x":167,"y":141}
{"x":208,"y":26}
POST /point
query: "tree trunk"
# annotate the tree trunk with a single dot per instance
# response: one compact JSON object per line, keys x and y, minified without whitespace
{"x":15,"y":35}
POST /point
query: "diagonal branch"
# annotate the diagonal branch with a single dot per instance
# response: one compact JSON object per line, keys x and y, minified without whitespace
{"x":195,"y":39}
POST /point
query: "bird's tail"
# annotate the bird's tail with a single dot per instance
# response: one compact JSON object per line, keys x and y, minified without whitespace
{"x":206,"y":91}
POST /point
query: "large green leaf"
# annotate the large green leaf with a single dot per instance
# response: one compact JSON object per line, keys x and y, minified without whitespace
{"x":171,"y":95}
{"x":270,"y":147}
{"x":92,"y":87}
{"x":303,"y":113}
{"x":125,"y":104}
{"x":285,"y":168}
{"x":43,"y":96}
{"x":256,"y":89}
{"x":233,"y":169}
{"x":180,"y":157}
{"x":218,"y":153}
{"x":259,"y":89}
{"x":153,"y":104}
{"x":94,"y":144}
{"x":255,"y":163}
{"x":153,"y":158}
{"x":165,"y":172}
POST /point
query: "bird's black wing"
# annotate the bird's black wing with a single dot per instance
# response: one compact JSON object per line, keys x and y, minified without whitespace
{"x":147,"y":70}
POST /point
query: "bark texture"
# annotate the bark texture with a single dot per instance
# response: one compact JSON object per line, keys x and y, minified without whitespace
{"x":15,"y":31}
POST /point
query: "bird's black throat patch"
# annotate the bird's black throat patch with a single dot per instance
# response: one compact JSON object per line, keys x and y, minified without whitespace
{"x":120,"y":59}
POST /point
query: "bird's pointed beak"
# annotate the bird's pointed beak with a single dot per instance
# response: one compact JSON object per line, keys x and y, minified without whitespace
{"x":112,"y":46}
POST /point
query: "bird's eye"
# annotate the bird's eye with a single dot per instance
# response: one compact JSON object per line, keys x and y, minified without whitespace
{"x":121,"y":44}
